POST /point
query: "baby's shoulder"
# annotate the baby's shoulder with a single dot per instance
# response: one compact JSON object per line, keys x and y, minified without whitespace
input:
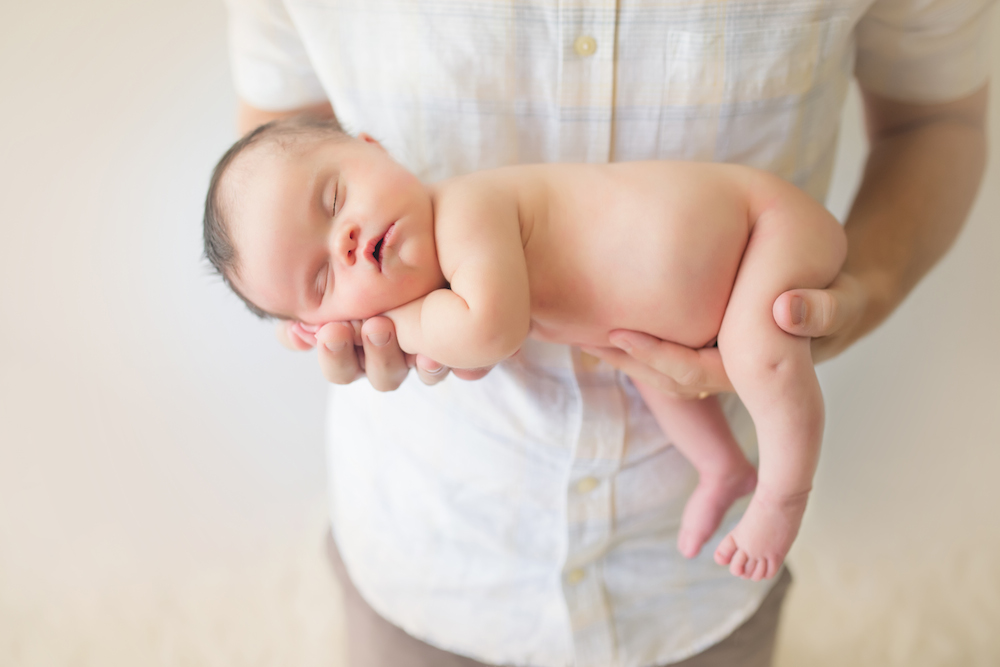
{"x":478,"y":197}
{"x":472,"y":207}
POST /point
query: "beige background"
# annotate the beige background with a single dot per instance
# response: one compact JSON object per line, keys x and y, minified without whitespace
{"x":161,"y":476}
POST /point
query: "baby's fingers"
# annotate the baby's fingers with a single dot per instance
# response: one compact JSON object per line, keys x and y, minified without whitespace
{"x":471,"y":373}
{"x":292,"y":337}
{"x":429,"y":371}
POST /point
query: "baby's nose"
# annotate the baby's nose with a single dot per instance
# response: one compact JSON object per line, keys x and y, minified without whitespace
{"x":346,"y":244}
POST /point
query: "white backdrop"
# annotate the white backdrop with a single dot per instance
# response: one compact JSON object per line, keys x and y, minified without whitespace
{"x":161,"y":464}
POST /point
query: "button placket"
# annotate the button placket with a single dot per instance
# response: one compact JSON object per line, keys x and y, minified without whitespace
{"x":590,"y":510}
{"x":587,"y":81}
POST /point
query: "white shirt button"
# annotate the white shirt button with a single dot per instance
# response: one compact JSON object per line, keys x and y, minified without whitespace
{"x":586,"y":485}
{"x":575,"y":576}
{"x":585,"y":45}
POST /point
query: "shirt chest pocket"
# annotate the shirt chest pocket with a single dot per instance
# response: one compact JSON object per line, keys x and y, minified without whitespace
{"x":713,"y":67}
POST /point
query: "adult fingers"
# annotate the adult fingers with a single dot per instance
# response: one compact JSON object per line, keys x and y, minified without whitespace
{"x":338,"y":358}
{"x":385,"y":364}
{"x":670,"y":367}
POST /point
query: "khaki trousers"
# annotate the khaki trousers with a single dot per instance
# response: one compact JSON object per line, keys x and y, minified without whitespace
{"x":374,"y":642}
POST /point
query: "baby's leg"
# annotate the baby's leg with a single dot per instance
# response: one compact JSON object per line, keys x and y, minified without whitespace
{"x":794,"y":245}
{"x":700,"y":431}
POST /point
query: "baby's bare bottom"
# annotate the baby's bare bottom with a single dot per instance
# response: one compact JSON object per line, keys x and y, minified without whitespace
{"x":773,"y":374}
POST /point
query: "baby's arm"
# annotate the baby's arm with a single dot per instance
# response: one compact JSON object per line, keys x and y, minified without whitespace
{"x":485,"y":315}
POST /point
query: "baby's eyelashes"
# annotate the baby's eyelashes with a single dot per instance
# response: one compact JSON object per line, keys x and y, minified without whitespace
{"x":336,"y":197}
{"x":322,"y":278}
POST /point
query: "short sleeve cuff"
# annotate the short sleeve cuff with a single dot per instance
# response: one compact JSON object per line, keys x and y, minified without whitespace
{"x":271,"y":69}
{"x":937,"y":53}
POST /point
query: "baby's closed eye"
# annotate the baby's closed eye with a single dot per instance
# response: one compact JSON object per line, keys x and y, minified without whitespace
{"x":322,"y":277}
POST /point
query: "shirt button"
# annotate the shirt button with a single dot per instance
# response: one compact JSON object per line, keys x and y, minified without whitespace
{"x":575,"y":576}
{"x":586,"y":485}
{"x":585,"y":45}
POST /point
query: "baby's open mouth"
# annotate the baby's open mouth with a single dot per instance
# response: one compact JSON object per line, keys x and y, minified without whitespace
{"x":380,"y":245}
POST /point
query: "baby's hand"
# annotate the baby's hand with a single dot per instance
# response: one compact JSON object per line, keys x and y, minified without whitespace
{"x":295,"y":336}
{"x":350,"y":350}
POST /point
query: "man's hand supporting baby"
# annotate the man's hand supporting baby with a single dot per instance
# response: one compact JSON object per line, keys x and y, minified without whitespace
{"x":924,"y":168}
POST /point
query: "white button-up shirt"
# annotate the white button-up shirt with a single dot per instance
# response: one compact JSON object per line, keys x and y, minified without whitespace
{"x":530,"y":518}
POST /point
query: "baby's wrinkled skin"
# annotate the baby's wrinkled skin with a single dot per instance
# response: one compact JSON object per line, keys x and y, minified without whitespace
{"x":468,"y":267}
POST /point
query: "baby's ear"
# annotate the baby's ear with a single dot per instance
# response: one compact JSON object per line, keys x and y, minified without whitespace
{"x":367,"y":138}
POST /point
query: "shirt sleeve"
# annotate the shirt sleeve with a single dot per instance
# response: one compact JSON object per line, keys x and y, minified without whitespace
{"x":271,"y":67}
{"x":924,"y":51}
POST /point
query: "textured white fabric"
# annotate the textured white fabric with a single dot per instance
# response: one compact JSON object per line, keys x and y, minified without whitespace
{"x":468,"y":513}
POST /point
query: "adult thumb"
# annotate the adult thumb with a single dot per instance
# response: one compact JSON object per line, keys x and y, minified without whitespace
{"x":812,"y":313}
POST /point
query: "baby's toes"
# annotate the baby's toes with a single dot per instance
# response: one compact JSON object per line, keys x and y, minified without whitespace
{"x":773,"y":566}
{"x":724,"y":554}
{"x":760,"y":570}
{"x":738,"y":564}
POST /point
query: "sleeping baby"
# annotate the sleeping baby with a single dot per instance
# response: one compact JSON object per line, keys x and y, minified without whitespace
{"x":312,"y":225}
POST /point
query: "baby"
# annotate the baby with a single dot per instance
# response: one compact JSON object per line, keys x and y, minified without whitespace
{"x":311,"y":225}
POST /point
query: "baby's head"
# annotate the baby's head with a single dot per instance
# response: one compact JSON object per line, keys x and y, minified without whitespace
{"x":307,"y":223}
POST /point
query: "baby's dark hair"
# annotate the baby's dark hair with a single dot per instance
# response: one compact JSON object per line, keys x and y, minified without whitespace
{"x":220,"y":250}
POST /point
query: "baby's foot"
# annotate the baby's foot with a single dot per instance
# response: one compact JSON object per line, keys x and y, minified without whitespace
{"x":708,"y":504}
{"x":757,"y":546}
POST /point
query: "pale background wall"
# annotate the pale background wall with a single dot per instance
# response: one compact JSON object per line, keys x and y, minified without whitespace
{"x":161,"y":476}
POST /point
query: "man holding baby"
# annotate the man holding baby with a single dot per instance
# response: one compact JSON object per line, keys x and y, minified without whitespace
{"x":530,"y":517}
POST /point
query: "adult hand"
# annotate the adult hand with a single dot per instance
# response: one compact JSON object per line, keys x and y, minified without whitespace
{"x":347,"y":351}
{"x":670,"y":367}
{"x":829,"y":316}
{"x":832,"y":317}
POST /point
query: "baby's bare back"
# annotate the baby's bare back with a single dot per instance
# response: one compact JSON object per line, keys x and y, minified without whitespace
{"x":648,"y":246}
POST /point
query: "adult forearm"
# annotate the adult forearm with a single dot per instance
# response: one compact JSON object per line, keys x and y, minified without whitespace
{"x":921,"y":177}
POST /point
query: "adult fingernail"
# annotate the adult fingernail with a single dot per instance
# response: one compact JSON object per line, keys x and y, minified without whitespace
{"x":335,"y":346}
{"x":378,"y":339}
{"x":798,"y":310}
